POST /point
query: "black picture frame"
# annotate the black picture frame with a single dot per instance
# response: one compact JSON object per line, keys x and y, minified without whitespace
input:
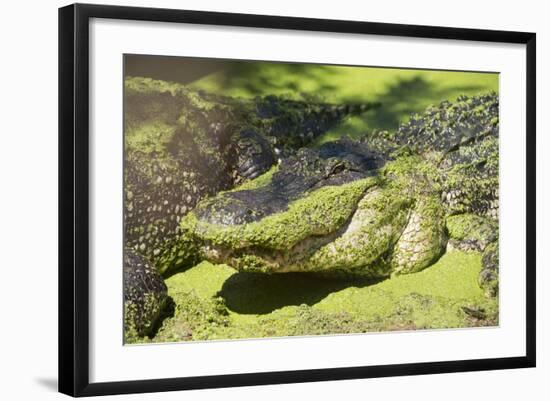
{"x":74,"y":198}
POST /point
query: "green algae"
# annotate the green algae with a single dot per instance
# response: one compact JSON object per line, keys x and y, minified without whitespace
{"x":376,"y":225}
{"x":472,"y":227}
{"x":180,"y":252}
{"x":150,"y":137}
{"x":453,"y":277}
{"x":423,"y":240}
{"x":216,"y":302}
{"x":257,"y":182}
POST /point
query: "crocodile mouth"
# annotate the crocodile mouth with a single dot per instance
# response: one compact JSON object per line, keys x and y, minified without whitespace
{"x":351,"y":235}
{"x":282,"y":258}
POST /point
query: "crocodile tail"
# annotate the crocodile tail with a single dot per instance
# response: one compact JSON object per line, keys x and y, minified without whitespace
{"x":291,"y":124}
{"x":339,"y":111}
{"x":320,"y":118}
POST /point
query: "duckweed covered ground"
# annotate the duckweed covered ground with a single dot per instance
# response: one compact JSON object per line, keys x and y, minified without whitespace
{"x":215,"y":302}
{"x":210,"y":302}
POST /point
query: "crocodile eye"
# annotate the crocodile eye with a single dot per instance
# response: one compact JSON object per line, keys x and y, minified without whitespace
{"x":338,"y":168}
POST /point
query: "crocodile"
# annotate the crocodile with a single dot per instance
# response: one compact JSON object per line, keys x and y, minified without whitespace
{"x":391,"y":203}
{"x":183,"y":145}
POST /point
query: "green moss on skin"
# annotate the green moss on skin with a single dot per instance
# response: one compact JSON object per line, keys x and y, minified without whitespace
{"x":150,"y":138}
{"x":321,"y":212}
{"x":472,"y":227}
{"x":374,"y":228}
{"x":423,"y":240}
{"x":180,"y":252}
{"x":146,"y":99}
{"x":258,"y":182}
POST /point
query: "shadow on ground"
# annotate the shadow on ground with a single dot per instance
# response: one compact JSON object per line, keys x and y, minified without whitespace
{"x":257,"y":293}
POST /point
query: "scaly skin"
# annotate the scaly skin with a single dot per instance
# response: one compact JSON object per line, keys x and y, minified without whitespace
{"x":145,"y":296}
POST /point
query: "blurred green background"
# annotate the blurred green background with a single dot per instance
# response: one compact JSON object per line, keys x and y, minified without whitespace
{"x":400,"y":91}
